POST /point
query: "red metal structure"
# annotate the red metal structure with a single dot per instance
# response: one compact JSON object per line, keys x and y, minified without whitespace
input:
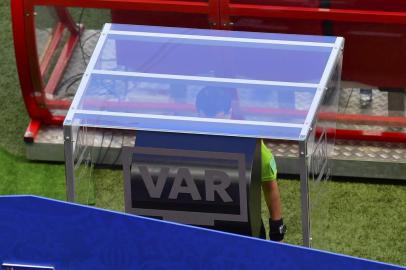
{"x":375,"y":33}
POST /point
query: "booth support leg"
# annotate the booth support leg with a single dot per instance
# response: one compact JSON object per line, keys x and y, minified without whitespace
{"x":304,"y":193}
{"x":69,"y":164}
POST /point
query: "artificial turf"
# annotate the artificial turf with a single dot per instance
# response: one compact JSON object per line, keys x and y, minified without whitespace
{"x":13,"y":115}
{"x":19,"y":176}
{"x":364,"y":219}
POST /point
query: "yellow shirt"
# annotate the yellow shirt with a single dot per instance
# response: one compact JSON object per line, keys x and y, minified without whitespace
{"x":268,"y":165}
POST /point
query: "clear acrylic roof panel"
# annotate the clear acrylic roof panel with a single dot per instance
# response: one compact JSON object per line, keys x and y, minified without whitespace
{"x":203,"y":81}
{"x":212,"y":56}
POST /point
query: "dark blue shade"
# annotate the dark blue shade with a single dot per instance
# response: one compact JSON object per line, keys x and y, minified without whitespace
{"x":255,"y":61}
{"x":213,"y":82}
{"x":66,"y":236}
{"x":181,"y":126}
{"x":183,"y":98}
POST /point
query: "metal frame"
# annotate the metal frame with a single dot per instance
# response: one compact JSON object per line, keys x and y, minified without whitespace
{"x":66,"y":22}
{"x":192,"y":119}
{"x":304,"y":193}
{"x":16,"y":266}
{"x":27,"y":60}
{"x":61,"y":64}
{"x":334,"y":59}
{"x":366,"y":135}
{"x":31,"y":69}
{"x":204,"y":79}
{"x":309,"y":124}
{"x":225,"y":39}
{"x":219,"y":13}
{"x":229,"y":9}
{"x":86,"y":75}
{"x":51,"y":48}
{"x":69,"y":127}
{"x":69,"y":161}
{"x":311,"y":114}
{"x":322,"y":87}
{"x":314,"y":13}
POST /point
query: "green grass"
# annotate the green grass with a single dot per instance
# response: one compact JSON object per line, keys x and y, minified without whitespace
{"x":13,"y":116}
{"x":19,"y":176}
{"x":365,"y":220}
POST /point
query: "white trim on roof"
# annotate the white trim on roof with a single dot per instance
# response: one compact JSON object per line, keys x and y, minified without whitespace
{"x":203,"y":79}
{"x":224,"y":39}
{"x":187,"y":118}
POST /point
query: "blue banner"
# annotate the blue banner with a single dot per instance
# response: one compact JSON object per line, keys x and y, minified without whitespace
{"x":49,"y":233}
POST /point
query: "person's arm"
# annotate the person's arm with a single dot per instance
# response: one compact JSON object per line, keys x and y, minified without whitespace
{"x":273,"y":199}
{"x":270,"y":188}
{"x":277,"y":228}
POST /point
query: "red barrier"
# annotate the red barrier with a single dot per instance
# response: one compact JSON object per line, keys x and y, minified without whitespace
{"x":375,"y":32}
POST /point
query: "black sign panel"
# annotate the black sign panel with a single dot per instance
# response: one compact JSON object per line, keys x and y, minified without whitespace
{"x":194,"y":187}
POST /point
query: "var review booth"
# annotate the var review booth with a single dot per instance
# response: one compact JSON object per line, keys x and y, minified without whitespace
{"x":184,"y":111}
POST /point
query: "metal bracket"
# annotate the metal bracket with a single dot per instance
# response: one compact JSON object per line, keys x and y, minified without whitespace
{"x":15,"y":266}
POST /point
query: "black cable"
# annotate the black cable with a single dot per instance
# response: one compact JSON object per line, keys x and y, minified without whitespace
{"x":348,"y":101}
{"x":90,"y":36}
{"x":72,"y":83}
{"x":67,"y":80}
{"x":162,"y":52}
{"x":80,"y":29}
{"x":87,"y":39}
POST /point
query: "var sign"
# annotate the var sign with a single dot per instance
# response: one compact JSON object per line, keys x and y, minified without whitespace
{"x":194,"y":187}
{"x":215,"y":181}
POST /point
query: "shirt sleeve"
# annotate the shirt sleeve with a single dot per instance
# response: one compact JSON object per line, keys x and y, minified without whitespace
{"x":268,"y":166}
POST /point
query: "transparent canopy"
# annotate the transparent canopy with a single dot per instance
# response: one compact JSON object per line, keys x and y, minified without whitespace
{"x":204,"y":82}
